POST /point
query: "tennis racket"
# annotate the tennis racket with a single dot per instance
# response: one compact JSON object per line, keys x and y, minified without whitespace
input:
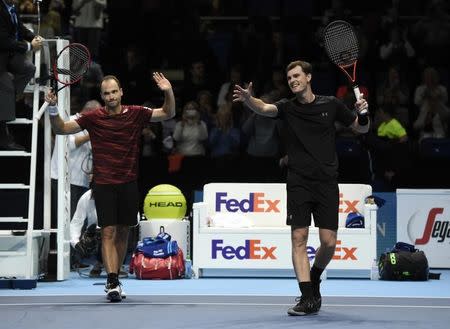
{"x":341,"y":45}
{"x":79,"y":59}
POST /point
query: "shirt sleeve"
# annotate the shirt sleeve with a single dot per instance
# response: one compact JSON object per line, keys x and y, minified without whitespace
{"x":83,"y":121}
{"x":343,"y":114}
{"x":147,"y":112}
{"x":281,"y":107}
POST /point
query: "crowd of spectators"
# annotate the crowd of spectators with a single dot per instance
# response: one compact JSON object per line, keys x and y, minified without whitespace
{"x":207,"y":46}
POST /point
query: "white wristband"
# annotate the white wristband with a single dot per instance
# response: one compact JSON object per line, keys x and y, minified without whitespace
{"x":52,"y":110}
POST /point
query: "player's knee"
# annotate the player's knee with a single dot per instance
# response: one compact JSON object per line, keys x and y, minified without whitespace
{"x":328,"y":245}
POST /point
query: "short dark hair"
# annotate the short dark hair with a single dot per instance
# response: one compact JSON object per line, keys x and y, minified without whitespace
{"x":111,"y":77}
{"x":306,"y":66}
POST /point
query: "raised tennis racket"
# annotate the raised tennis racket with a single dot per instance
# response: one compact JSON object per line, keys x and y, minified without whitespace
{"x":69,"y":66}
{"x":341,"y":45}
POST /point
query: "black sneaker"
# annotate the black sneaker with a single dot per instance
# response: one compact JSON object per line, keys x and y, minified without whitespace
{"x":305,"y":306}
{"x":113,"y":292}
{"x":316,"y":293}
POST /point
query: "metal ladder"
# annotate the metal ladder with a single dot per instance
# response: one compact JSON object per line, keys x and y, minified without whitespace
{"x":23,"y":251}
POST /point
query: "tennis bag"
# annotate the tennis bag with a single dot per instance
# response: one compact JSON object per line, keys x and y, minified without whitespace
{"x":148,"y":268}
{"x":403,"y":263}
{"x":160,"y":246}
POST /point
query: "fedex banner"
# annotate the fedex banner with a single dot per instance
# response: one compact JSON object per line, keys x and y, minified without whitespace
{"x":262,"y":204}
{"x":423,"y":219}
{"x":265,"y":204}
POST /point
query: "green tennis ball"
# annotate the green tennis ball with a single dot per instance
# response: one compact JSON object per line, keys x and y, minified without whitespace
{"x":165,"y":201}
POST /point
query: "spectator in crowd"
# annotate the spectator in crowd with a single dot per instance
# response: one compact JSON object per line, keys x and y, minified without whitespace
{"x":431,"y":98}
{"x":277,"y":87}
{"x":16,"y":68}
{"x":235,"y":77}
{"x":224,"y":145}
{"x":196,"y":80}
{"x":152,"y":165}
{"x":89,"y":23}
{"x":191,"y":136}
{"x":206,"y":107}
{"x":397,"y":50}
{"x":135,"y":74}
{"x":51,"y":23}
{"x":431,"y":34}
{"x":263,"y":149}
{"x":430,"y":89}
{"x":394,"y":90}
{"x":80,"y":159}
{"x":389,"y":147}
{"x":190,"y":132}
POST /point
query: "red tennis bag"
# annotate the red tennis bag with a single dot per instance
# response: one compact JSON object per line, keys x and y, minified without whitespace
{"x":148,"y":268}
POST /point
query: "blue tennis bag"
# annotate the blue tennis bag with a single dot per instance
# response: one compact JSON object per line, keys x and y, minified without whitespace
{"x":160,"y":246}
{"x":354,"y":220}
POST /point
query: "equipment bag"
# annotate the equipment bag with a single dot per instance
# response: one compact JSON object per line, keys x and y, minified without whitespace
{"x":147,"y":268}
{"x":160,"y":246}
{"x":403,"y":263}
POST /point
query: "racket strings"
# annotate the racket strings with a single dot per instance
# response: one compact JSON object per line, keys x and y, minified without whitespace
{"x":79,"y":61}
{"x":341,"y":43}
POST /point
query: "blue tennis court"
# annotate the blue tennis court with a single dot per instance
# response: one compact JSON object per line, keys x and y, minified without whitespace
{"x":227,"y":303}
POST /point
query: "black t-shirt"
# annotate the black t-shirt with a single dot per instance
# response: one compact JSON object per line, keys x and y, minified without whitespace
{"x":310,"y":135}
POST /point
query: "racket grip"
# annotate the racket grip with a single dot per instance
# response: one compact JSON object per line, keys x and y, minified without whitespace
{"x":358,"y":95}
{"x":41,"y":111}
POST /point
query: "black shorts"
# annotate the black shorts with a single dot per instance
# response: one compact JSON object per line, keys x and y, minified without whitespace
{"x":312,"y":197}
{"x":116,"y":204}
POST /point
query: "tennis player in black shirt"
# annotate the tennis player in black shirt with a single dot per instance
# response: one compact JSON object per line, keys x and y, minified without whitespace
{"x":312,"y":187}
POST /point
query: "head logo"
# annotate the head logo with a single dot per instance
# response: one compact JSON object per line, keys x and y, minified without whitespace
{"x":434,"y":228}
{"x":348,"y":205}
{"x":251,"y":249}
{"x":255,"y":203}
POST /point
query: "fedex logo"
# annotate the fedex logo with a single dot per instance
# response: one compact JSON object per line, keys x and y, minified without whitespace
{"x":256,"y":202}
{"x":251,"y":249}
{"x":347,"y":205}
{"x":340,"y":253}
{"x":435,"y":228}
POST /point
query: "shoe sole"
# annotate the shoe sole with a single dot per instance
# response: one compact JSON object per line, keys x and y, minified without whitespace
{"x":123,"y":295}
{"x":294,"y":313}
{"x":114,"y":297}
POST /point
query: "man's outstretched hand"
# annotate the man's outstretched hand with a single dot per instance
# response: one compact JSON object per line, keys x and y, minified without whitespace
{"x":161,"y":81}
{"x":241,"y":94}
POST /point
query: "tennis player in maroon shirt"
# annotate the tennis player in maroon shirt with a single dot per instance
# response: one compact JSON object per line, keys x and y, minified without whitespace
{"x":115,"y":133}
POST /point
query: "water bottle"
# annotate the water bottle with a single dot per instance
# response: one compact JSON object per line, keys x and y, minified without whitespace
{"x":374,"y":275}
{"x":188,"y":269}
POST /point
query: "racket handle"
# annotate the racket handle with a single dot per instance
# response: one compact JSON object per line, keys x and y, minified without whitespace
{"x":358,"y":95}
{"x":41,"y":110}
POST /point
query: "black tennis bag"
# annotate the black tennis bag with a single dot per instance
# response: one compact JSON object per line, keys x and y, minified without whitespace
{"x":403,"y":263}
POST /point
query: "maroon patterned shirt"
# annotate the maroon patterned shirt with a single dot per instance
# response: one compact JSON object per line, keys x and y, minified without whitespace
{"x":115,"y":141}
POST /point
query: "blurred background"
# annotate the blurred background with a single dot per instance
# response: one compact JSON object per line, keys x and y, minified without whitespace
{"x":204,"y":47}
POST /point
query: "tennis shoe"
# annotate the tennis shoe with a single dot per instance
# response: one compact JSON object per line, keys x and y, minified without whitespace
{"x":316,"y":293}
{"x":304,"y":306}
{"x":113,"y":292}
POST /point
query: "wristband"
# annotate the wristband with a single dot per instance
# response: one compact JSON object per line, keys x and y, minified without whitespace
{"x":363,"y":119}
{"x":52,"y":110}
